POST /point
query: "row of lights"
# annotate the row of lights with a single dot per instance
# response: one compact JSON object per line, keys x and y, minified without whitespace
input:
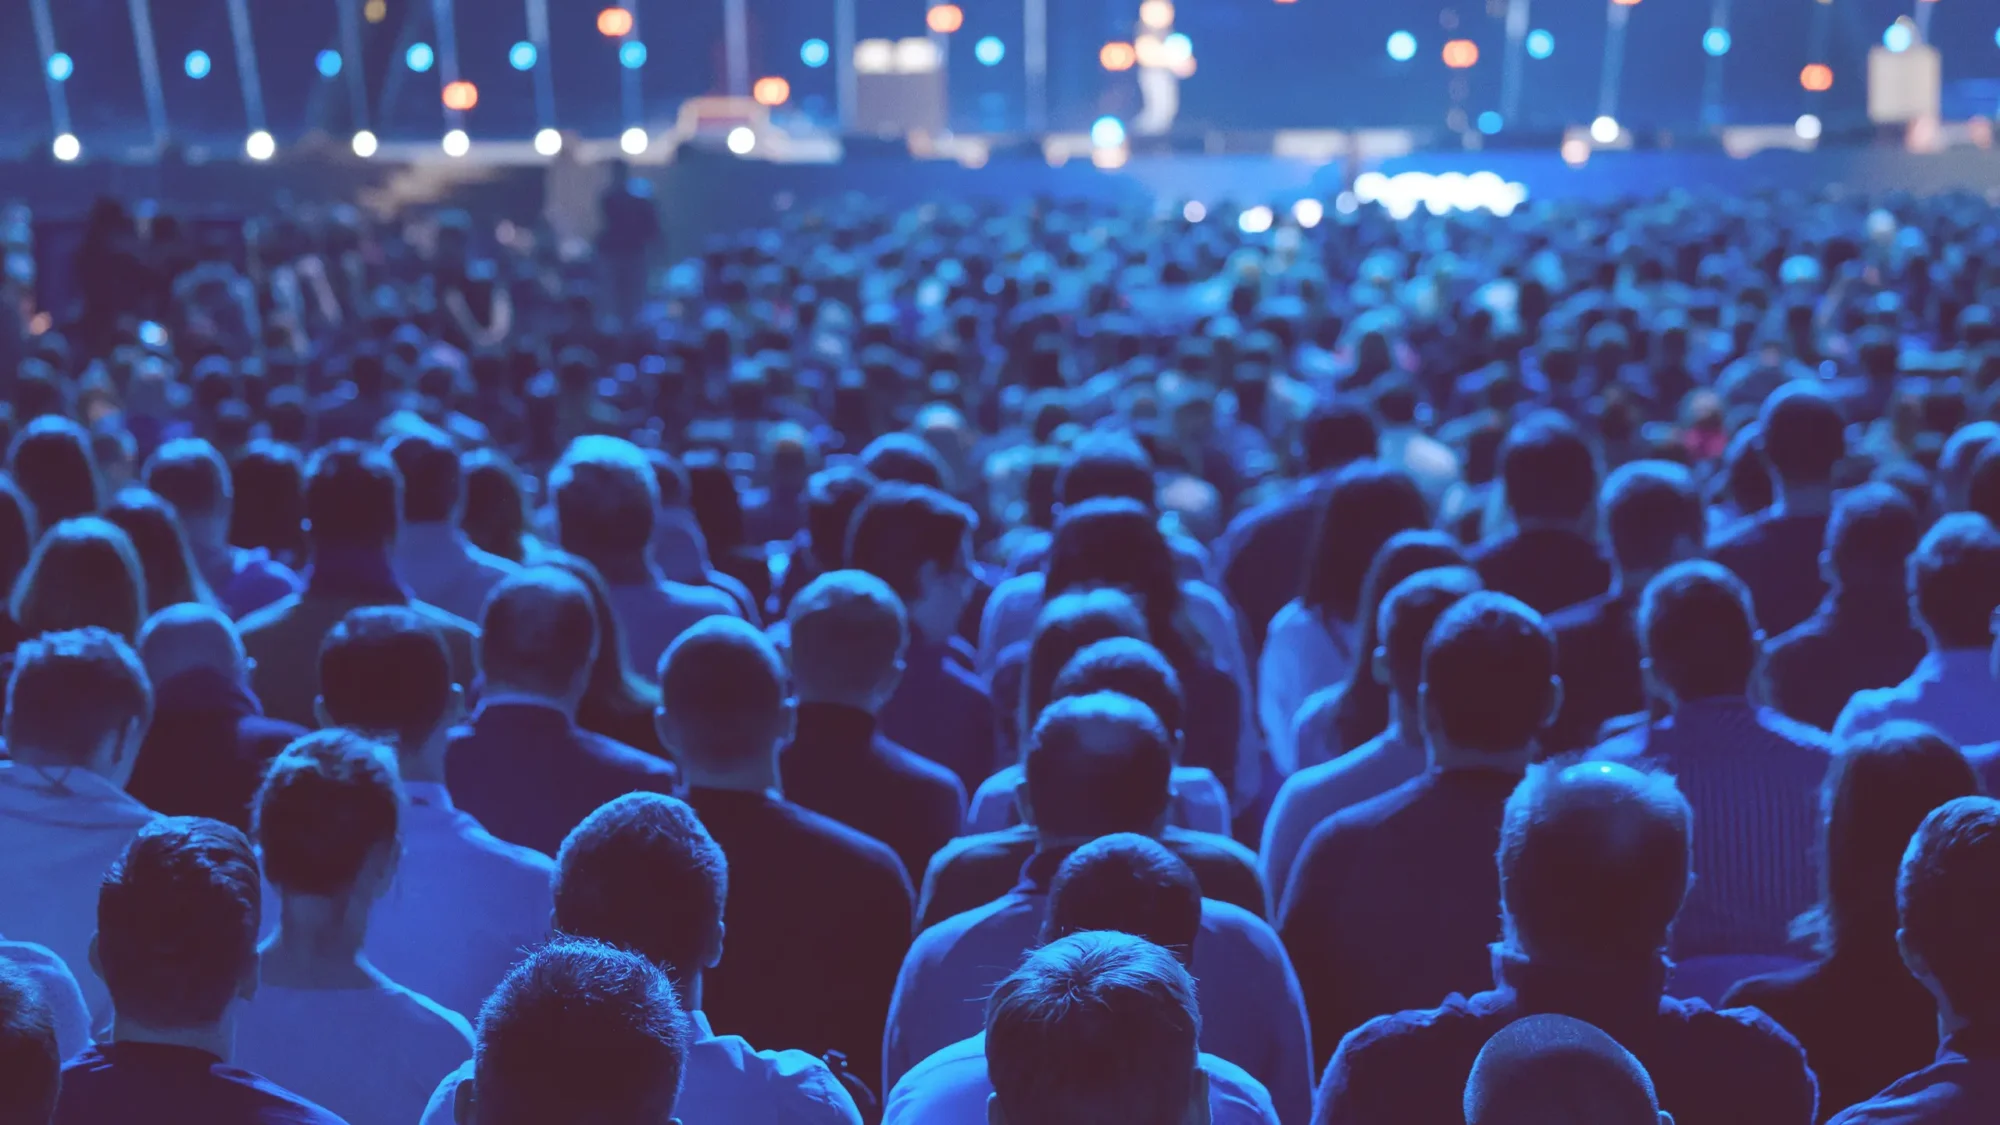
{"x":261,"y":146}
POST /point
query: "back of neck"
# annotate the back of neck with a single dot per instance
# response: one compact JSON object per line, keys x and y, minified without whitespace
{"x":318,"y":944}
{"x":218,"y":1038}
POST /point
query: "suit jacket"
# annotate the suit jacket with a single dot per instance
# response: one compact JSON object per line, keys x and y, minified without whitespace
{"x":207,"y":748}
{"x":1777,"y":557}
{"x":1850,"y":644}
{"x":528,"y":774}
{"x":839,"y":765}
{"x":284,"y":638}
{"x":943,"y":711}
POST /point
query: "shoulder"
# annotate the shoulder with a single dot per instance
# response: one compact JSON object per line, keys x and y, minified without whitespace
{"x":1240,"y":931}
{"x":1745,"y":1039}
{"x":455,"y":628}
{"x":627,"y":759}
{"x":270,"y":617}
{"x":783,"y":1086}
{"x":1415,"y":1038}
{"x":862,"y":855}
{"x":439,"y":1110}
{"x":700,"y":597}
{"x":1209,"y":846}
{"x":496,"y":856}
{"x":1865,"y":709}
{"x":442,"y":1027}
{"x":1797,"y":734}
{"x":919,"y":770}
{"x":1234,"y":1094}
{"x":986,"y":847}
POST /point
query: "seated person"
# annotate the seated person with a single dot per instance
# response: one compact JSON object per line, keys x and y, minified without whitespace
{"x":1556,"y":1070}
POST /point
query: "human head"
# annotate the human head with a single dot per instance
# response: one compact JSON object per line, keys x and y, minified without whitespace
{"x":1699,"y":633}
{"x":642,"y":873}
{"x":1096,"y":764}
{"x":353,"y":497}
{"x":605,"y":495}
{"x":613,"y":680}
{"x":1954,"y":581}
{"x":1105,"y":467}
{"x":1873,"y":529}
{"x":1553,"y":1069}
{"x":1367,"y":504}
{"x":1653,"y":516}
{"x":582,"y":1032}
{"x":1804,"y":436}
{"x":538,"y":636}
{"x":1092,"y":1028}
{"x":1490,"y":682}
{"x":1338,"y":433}
{"x":833,"y":495}
{"x":30,"y":1061}
{"x":723,"y":706}
{"x":44,"y":724}
{"x":191,"y":637}
{"x":51,"y":460}
{"x":919,"y":541}
{"x":1405,"y":622}
{"x":848,"y":636}
{"x":1132,"y":668}
{"x":328,"y":817}
{"x":83,"y":572}
{"x":1405,"y":554}
{"x":193,"y":477}
{"x":906,"y":458}
{"x":495,"y":516}
{"x":1066,"y":624}
{"x":18,"y":532}
{"x":177,"y":921}
{"x":165,"y":559}
{"x":1129,"y":884}
{"x":1547,"y":470}
{"x":1955,"y":463}
{"x":384,"y":672}
{"x":270,"y":504}
{"x":433,"y":483}
{"x":1948,"y":896}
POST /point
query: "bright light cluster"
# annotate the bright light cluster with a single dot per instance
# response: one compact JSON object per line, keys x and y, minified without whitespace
{"x":1402,"y":194}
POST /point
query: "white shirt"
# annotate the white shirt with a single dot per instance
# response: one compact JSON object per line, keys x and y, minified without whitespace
{"x":60,"y":830}
{"x":1252,"y":1011}
{"x":59,"y":991}
{"x":370,"y":1055}
{"x":442,"y":567}
{"x":1200,"y":803}
{"x":463,"y":908}
{"x":1951,"y":690}
{"x":726,"y":1082}
{"x":1300,"y":657}
{"x":951,"y":1088}
{"x":1312,"y":795}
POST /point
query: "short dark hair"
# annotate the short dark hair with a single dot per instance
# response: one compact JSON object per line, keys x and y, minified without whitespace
{"x":1699,"y":630}
{"x":385,"y":672}
{"x":1368,"y":503}
{"x":604,"y":492}
{"x":433,"y":482}
{"x":30,"y":1060}
{"x":52,"y":461}
{"x":1338,"y":432}
{"x":1408,"y":615}
{"x":353,"y":495}
{"x":642,"y":873}
{"x":848,"y":630}
{"x":1105,"y":466}
{"x":1064,"y":627}
{"x":1558,"y":1070}
{"x":538,"y":631}
{"x":1954,"y":579}
{"x":1488,"y":664}
{"x":177,"y":921}
{"x":1132,"y":668}
{"x":1948,"y":894}
{"x":1982,"y":490}
{"x":718,"y":680}
{"x":1097,"y":764}
{"x":1130,"y":884}
{"x":328,"y":801}
{"x":1873,"y":529}
{"x":833,"y":495}
{"x":906,"y":458}
{"x":83,"y":572}
{"x":583,"y":1032}
{"x":192,"y":476}
{"x":1594,"y":861}
{"x":1648,"y":508}
{"x":69,"y":690}
{"x":900,"y":527}
{"x":1804,"y":434}
{"x":1547,"y":469}
{"x":1095,"y":1027}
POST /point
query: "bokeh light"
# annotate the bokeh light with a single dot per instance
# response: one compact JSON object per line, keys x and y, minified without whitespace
{"x":419,"y":57}
{"x":1107,"y":132}
{"x":66,"y":148}
{"x":945,"y":18}
{"x":1605,"y":130}
{"x":365,"y":144}
{"x":1308,"y":213}
{"x":1817,"y":77}
{"x":1541,"y":44}
{"x":989,"y":51}
{"x":1809,"y":127}
{"x":1118,"y":56}
{"x":742,"y":140}
{"x":1460,"y":54}
{"x":771,"y":90}
{"x":260,"y":146}
{"x":198,"y":64}
{"x":548,"y":142}
{"x":815,"y":53}
{"x":1402,"y":46}
{"x":522,"y":56}
{"x":375,"y":11}
{"x":1900,"y":36}
{"x":460,"y":95}
{"x":456,"y":143}
{"x":614,"y":22}
{"x":632,"y":55}
{"x":1255,"y":220}
{"x":61,"y":66}
{"x":633,"y":141}
{"x":1491,"y":122}
{"x":327,"y":63}
{"x":1716,"y":41}
{"x":1195,"y":211}
{"x":1157,"y":14}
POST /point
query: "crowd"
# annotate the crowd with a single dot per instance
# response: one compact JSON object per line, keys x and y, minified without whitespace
{"x":1029,"y":662}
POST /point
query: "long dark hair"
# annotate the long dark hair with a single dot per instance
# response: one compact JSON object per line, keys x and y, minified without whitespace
{"x":495,"y":516}
{"x":83,"y":572}
{"x":1118,"y":543}
{"x":18,"y":528}
{"x":155,"y":529}
{"x":1363,"y":709}
{"x":1367,"y":503}
{"x":54,"y":466}
{"x":617,"y":702}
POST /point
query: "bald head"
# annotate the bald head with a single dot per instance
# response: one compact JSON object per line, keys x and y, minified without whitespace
{"x":723,"y":702}
{"x":1555,"y":1070}
{"x":189,"y":637}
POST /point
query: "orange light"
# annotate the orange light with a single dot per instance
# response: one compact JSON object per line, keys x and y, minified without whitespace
{"x":1818,"y":78}
{"x":614,"y":22}
{"x":460,"y":95}
{"x":1461,"y":53}
{"x":1626,"y":3}
{"x":771,"y":91}
{"x":1118,"y":56}
{"x":945,"y":18}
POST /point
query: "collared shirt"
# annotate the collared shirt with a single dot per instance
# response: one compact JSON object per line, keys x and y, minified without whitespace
{"x":60,"y":830}
{"x":1777,"y":557}
{"x":1301,"y":656}
{"x":1752,"y":778}
{"x":441,"y":566}
{"x":59,"y":991}
{"x":839,"y":766}
{"x":464,"y":906}
{"x":1314,"y":794}
{"x":1853,"y":643}
{"x":1961,"y":1088}
{"x":951,"y":1088}
{"x":943,"y":711}
{"x":368,"y":1054}
{"x":1251,"y":1010}
{"x":126,"y":1083}
{"x":726,"y":1081}
{"x":653,"y":614}
{"x":1952,"y":690}
{"x":1200,"y":803}
{"x":1546,"y":567}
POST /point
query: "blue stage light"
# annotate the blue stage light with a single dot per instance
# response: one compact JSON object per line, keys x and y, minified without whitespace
{"x":1899,"y":37}
{"x":1716,"y":42}
{"x":632,"y":55}
{"x":420,"y":57}
{"x":522,"y":56}
{"x":1107,"y":132}
{"x":61,"y":66}
{"x":197,"y":64}
{"x":1491,"y":123}
{"x":1541,"y":44}
{"x":328,"y":63}
{"x":989,"y":51}
{"x":815,"y":53}
{"x":1402,"y":46}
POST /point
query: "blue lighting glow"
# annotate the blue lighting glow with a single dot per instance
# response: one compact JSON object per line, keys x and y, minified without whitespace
{"x":1541,"y":44}
{"x":197,"y":64}
{"x":1107,"y":132}
{"x":1402,"y":46}
{"x":522,"y":56}
{"x":420,"y":57}
{"x":1491,"y":123}
{"x":1716,"y":42}
{"x":815,"y":53}
{"x":1899,"y":37}
{"x":989,"y":51}
{"x":328,"y":63}
{"x":632,"y":55}
{"x":61,"y":66}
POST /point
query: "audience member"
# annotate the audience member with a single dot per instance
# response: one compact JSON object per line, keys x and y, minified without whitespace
{"x":84,"y":573}
{"x":1777,"y":551}
{"x":619,"y":701}
{"x":1549,"y":478}
{"x":1554,"y":1070}
{"x":433,"y":556}
{"x":192,"y":476}
{"x":55,"y":987}
{"x":832,"y":497}
{"x":30,"y":1059}
{"x":51,"y":460}
{"x":165,"y":561}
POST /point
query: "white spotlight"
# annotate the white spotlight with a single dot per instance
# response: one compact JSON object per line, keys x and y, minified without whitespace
{"x":548,"y":142}
{"x":260,"y":146}
{"x":1308,"y":212}
{"x":1809,"y":127}
{"x":365,"y":144}
{"x":1604,"y":130}
{"x":742,"y":139}
{"x":633,"y":141}
{"x":67,"y":148}
{"x":1254,"y":220}
{"x":1195,"y":211}
{"x":456,"y":143}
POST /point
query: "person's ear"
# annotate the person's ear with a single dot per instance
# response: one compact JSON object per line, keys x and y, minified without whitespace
{"x":1555,"y":700}
{"x":454,"y":708}
{"x":1023,"y":804}
{"x":721,"y":942}
{"x":1199,"y":1111}
{"x":1380,"y":665}
{"x":993,"y":1114}
{"x":251,"y":976}
{"x":320,"y":716}
{"x":890,"y":682}
{"x":465,"y":1103}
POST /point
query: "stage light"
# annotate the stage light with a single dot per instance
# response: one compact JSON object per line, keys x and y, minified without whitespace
{"x":989,"y":51}
{"x":375,"y":11}
{"x":1194,"y":212}
{"x":815,"y":53}
{"x":522,"y":56}
{"x":1347,"y":203}
{"x":1899,"y":36}
{"x":460,"y":95}
{"x":1626,"y":3}
{"x":742,"y":140}
{"x":327,"y":63}
{"x":66,"y":148}
{"x":260,"y":146}
{"x":1308,"y":213}
{"x":365,"y":144}
{"x":945,"y":18}
{"x":1575,"y":152}
{"x":1809,"y":127}
{"x":1817,"y":77}
{"x":1716,"y":41}
{"x":456,"y":143}
{"x":1157,"y":14}
{"x":632,"y":55}
{"x":1255,"y":220}
{"x":198,"y":64}
{"x":548,"y":142}
{"x":1605,"y":130}
{"x":1461,"y":54}
{"x":1117,"y":56}
{"x":614,"y":22}
{"x":1107,"y":132}
{"x":1541,"y":44}
{"x":1177,"y":49}
{"x":419,"y":57}
{"x":61,"y":66}
{"x":772,"y":91}
{"x":633,"y":141}
{"x":1491,"y":123}
{"x":1402,"y":46}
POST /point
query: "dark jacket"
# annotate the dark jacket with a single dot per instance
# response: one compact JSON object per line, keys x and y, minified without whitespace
{"x":943,"y":711}
{"x":207,"y":748}
{"x":1777,"y":557}
{"x":1853,"y":642}
{"x":1546,"y":567}
{"x":839,"y":765}
{"x":1597,"y":655}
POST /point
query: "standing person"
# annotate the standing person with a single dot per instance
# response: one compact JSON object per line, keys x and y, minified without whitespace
{"x":1551,"y":559}
{"x":626,"y":239}
{"x":1555,"y":1070}
{"x":1776,"y":551}
{"x":433,"y":556}
{"x":328,"y":829}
